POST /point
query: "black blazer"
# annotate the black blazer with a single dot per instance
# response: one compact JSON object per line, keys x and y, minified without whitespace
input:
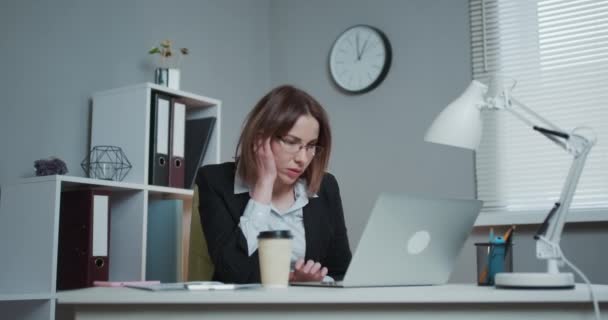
{"x":220,"y":211}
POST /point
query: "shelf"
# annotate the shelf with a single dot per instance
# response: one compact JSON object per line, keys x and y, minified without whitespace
{"x":74,"y":182}
{"x":26,"y":296}
{"x":181,"y":193}
{"x":190,"y":99}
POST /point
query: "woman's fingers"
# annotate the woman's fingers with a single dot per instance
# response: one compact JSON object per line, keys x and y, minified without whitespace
{"x":257,"y":146}
{"x":299,"y":264}
{"x":324,"y":272}
{"x":308,"y":271}
{"x":267,"y":146}
{"x":315,"y":268}
{"x":306,"y":268}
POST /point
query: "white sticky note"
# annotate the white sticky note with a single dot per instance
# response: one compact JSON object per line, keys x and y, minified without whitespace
{"x":100,"y":225}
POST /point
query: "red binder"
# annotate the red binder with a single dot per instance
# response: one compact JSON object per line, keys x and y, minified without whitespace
{"x":178,"y":132}
{"x":84,"y":238}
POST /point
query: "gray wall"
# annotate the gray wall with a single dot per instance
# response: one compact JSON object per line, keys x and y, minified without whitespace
{"x":55,"y":55}
{"x":379,"y":135}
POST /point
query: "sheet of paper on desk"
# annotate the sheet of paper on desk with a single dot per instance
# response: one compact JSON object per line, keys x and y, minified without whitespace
{"x":221,"y":286}
{"x":172,"y":286}
{"x":193,"y":285}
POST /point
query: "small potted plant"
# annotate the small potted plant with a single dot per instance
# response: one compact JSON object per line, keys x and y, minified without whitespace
{"x":168,"y":74}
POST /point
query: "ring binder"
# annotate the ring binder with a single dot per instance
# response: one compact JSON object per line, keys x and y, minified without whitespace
{"x":176,"y":165}
{"x":84,"y":235}
{"x":159,"y":140}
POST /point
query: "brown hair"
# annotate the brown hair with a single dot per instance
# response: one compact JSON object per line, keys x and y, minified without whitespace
{"x":274,"y":115}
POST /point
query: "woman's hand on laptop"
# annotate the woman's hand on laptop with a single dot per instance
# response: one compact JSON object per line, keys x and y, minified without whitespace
{"x":309,"y":271}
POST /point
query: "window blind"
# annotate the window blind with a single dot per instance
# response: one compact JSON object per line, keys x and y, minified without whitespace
{"x":557,"y":54}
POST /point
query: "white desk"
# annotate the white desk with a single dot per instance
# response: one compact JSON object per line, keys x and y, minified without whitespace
{"x":433,"y":302}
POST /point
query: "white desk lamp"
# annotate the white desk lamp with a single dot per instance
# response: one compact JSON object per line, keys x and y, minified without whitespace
{"x":460,"y":123}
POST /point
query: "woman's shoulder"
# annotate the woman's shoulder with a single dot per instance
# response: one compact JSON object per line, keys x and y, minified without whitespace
{"x":329,"y":183}
{"x":217,"y":172}
{"x":328,"y":177}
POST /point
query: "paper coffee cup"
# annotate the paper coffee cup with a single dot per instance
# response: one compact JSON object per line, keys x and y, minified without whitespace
{"x":274,"y":251}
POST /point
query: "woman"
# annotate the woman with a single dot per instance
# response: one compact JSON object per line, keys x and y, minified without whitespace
{"x":277,"y":182}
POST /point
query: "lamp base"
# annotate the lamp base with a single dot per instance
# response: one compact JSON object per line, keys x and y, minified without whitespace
{"x":538,"y":280}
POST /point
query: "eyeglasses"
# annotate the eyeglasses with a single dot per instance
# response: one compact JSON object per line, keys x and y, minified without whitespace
{"x":293,"y":147}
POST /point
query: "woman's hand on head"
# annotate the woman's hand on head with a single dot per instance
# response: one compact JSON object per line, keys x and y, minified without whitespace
{"x":266,"y":170}
{"x":266,"y":165}
{"x":309,"y":271}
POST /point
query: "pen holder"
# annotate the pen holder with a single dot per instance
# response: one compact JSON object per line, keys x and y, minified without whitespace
{"x":493,"y":258}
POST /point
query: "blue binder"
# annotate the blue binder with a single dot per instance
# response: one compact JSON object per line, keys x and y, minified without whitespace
{"x":163,"y":246}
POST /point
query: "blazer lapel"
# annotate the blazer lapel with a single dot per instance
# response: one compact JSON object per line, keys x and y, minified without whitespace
{"x":236,"y":204}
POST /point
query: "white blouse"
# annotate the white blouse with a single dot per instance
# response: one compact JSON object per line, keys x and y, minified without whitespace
{"x":261,"y":217}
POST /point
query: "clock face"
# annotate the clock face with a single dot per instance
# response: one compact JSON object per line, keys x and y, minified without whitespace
{"x":360,"y":59}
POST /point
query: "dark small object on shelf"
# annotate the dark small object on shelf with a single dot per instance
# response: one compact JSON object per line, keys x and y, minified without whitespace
{"x":50,"y":166}
{"x":106,"y":163}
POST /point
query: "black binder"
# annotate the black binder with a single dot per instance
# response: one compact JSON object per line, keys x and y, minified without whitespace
{"x":158,"y":173}
{"x":198,"y":136}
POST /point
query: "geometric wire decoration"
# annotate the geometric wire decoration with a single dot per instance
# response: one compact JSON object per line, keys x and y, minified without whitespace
{"x":106,"y":163}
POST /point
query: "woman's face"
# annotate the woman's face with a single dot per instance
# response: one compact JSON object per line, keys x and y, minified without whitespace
{"x":294,"y":151}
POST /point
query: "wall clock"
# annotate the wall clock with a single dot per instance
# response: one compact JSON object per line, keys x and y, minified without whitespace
{"x":360,"y":59}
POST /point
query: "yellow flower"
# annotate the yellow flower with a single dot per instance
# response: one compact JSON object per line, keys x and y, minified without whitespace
{"x":165,"y":44}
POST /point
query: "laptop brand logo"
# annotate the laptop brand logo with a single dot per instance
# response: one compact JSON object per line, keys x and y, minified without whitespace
{"x":418,"y":242}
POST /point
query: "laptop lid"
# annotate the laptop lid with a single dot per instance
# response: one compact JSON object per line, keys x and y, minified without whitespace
{"x":411,"y":240}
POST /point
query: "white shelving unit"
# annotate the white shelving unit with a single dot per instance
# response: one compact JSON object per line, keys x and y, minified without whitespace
{"x":30,"y":208}
{"x":121,"y":117}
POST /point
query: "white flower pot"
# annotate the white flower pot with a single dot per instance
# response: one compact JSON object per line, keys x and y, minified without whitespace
{"x":168,"y":77}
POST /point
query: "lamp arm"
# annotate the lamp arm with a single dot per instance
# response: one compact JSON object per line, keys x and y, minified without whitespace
{"x":576,"y":144}
{"x":556,"y":224}
{"x":534,"y":114}
{"x":552,"y":133}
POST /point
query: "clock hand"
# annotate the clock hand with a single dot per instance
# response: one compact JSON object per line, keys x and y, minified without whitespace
{"x":363,"y":48}
{"x":357,"y":40}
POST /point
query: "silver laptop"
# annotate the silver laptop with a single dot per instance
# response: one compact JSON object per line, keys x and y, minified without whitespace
{"x":409,"y":240}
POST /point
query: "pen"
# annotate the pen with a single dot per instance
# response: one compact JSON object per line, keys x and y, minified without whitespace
{"x":484,"y":272}
{"x":508,"y":233}
{"x":508,"y":239}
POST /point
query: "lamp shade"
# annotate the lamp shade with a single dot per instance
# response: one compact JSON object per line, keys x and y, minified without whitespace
{"x":459,"y":124}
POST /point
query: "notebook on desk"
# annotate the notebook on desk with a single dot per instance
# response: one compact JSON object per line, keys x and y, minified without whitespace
{"x":409,"y":240}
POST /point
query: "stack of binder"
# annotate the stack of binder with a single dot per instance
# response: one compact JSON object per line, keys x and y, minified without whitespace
{"x":177,"y":145}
